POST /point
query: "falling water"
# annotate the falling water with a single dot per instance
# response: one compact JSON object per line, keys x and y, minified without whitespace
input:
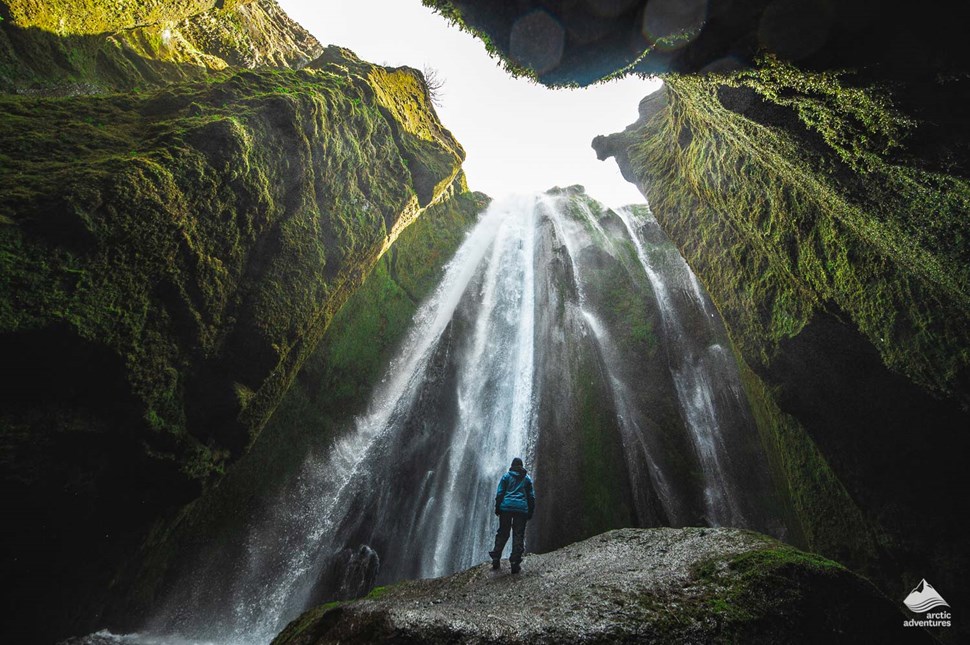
{"x":692,"y":379}
{"x":570,"y":230}
{"x":495,"y":365}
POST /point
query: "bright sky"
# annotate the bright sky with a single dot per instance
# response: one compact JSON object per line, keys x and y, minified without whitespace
{"x":519,"y":136}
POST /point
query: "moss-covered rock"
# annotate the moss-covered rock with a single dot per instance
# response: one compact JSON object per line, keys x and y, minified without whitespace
{"x":837,"y":258}
{"x":80,"y":17}
{"x":169,"y":260}
{"x":626,"y":586}
{"x":837,"y":224}
{"x":332,"y":387}
{"x":563,"y":42}
{"x":58,"y":48}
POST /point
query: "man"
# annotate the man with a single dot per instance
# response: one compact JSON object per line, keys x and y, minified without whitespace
{"x":515,"y":501}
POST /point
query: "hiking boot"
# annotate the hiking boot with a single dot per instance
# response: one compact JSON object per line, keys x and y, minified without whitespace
{"x":496,"y":564}
{"x":515,"y":567}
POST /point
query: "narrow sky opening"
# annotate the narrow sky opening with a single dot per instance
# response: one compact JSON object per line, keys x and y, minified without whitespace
{"x":520,"y":137}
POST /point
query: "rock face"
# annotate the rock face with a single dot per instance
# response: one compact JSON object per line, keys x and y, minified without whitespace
{"x":838,"y":267}
{"x":630,"y":585}
{"x":169,"y":260}
{"x":53,"y":48}
{"x":562,"y":42}
{"x":170,"y":257}
{"x":175,"y":569}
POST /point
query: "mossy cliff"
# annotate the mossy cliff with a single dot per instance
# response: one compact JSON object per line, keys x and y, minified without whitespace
{"x":833,"y":218}
{"x":169,"y":260}
{"x":332,"y":387}
{"x":838,"y":262}
{"x":62,"y":47}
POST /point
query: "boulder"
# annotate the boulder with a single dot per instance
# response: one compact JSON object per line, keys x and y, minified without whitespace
{"x":691,"y":585}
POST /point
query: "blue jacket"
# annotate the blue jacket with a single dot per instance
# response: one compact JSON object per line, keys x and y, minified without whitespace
{"x":515,"y":493}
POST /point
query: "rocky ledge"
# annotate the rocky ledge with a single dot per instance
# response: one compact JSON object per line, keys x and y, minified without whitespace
{"x":690,"y":585}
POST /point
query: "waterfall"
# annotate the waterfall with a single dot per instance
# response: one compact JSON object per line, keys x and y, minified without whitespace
{"x":569,"y":231}
{"x":559,"y":333}
{"x":692,"y":379}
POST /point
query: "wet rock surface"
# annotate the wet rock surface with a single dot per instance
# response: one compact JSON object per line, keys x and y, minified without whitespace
{"x":691,"y":585}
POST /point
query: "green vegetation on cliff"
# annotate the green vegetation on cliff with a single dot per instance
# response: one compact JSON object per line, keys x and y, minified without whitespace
{"x":168,"y":260}
{"x":58,"y":48}
{"x":790,"y":225}
{"x":180,"y":227}
{"x":613,"y":286}
{"x":828,"y":519}
{"x":340,"y":375}
{"x":333,"y":385}
{"x":603,"y":480}
{"x":836,"y":255}
{"x":80,"y":17}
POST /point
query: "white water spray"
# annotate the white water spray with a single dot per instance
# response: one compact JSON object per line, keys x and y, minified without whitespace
{"x":693,"y":383}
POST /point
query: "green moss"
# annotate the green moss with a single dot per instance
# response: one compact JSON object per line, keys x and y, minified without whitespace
{"x":377,"y":592}
{"x":626,"y":305}
{"x":51,"y":48}
{"x":798,"y":201}
{"x":830,"y":521}
{"x":791,"y":195}
{"x":750,"y":586}
{"x":333,"y":385}
{"x":66,"y":17}
{"x":180,"y":226}
{"x":368,"y":328}
{"x":307,"y":621}
{"x":760,"y":595}
{"x":617,"y":286}
{"x":858,"y":123}
{"x":779,"y":227}
{"x":600,"y":478}
{"x":628,"y":310}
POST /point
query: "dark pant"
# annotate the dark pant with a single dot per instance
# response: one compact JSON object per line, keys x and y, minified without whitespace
{"x":514,"y":522}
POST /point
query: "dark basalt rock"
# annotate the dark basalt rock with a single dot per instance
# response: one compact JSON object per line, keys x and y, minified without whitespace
{"x":688,"y":585}
{"x":351,"y":574}
{"x":561,"y":42}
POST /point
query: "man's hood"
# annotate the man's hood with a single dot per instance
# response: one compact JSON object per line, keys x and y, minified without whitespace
{"x":519,"y":473}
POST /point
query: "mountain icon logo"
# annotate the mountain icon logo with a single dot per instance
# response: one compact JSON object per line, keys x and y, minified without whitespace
{"x":924,"y":598}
